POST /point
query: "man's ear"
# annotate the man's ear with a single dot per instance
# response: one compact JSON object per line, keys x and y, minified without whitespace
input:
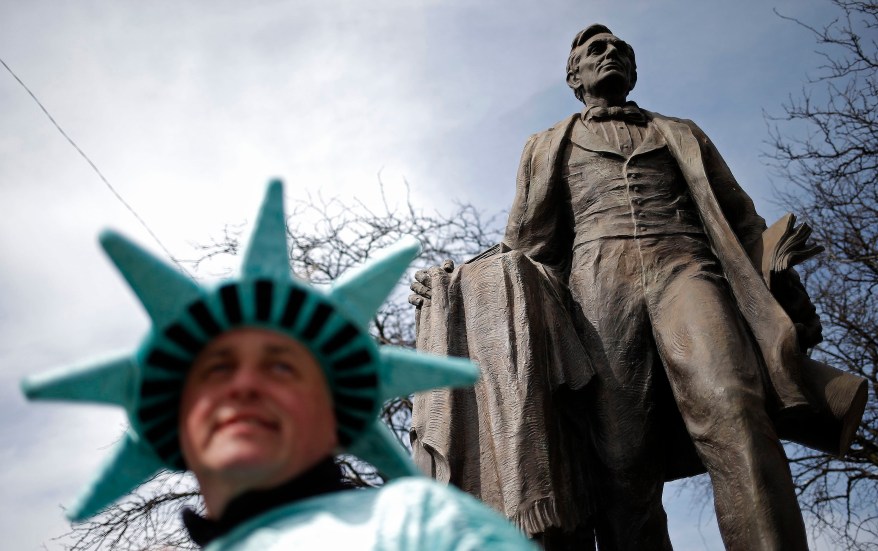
{"x":573,"y":80}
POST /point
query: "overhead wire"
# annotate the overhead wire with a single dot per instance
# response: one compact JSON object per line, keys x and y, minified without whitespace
{"x":93,"y":166}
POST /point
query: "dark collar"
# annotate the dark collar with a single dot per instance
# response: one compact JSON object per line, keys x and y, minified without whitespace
{"x":323,"y":478}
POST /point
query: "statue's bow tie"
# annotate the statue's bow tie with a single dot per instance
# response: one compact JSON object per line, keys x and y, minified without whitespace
{"x":629,"y":113}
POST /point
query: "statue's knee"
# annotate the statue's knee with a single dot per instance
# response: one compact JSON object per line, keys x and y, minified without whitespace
{"x":731,"y":413}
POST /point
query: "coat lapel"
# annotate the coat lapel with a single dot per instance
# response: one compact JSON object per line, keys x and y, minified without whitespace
{"x":588,"y":140}
{"x":652,"y":141}
{"x":585,"y":139}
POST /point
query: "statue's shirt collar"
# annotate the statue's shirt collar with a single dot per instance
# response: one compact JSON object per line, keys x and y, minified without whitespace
{"x":629,"y":112}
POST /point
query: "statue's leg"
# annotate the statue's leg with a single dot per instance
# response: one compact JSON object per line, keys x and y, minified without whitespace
{"x":622,"y":410}
{"x":713,"y":369}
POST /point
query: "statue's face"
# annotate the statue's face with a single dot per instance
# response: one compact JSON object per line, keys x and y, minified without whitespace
{"x":604,"y":68}
{"x":255,"y":410}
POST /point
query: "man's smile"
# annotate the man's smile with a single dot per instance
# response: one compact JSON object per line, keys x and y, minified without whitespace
{"x":245,"y":420}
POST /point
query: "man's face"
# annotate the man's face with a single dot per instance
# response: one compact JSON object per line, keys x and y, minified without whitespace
{"x":604,"y":68}
{"x":255,"y":410}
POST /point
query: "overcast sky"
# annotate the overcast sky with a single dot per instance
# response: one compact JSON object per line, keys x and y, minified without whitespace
{"x":189,"y":108}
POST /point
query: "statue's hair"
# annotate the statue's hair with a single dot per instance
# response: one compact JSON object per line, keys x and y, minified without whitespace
{"x":581,"y":38}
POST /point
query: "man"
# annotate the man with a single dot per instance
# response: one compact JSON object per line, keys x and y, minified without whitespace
{"x":642,"y":219}
{"x":258,"y":430}
{"x":254,"y":386}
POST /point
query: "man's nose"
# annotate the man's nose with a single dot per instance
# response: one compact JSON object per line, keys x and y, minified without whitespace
{"x":611,"y":51}
{"x":246,"y":381}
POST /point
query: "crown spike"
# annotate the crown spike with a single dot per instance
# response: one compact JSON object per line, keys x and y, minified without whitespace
{"x":162,"y":289}
{"x":378,"y":446}
{"x":406,"y":371}
{"x":111,"y":381}
{"x":363,"y":289}
{"x":131,"y":462}
{"x":267,"y":253}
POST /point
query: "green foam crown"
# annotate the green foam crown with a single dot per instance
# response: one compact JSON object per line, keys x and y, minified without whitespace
{"x":185,"y":315}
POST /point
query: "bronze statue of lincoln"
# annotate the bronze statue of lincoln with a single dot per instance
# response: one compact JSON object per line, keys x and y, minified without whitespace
{"x":615,"y":206}
{"x":640,"y":218}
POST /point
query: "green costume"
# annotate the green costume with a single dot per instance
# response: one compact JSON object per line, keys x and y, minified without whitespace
{"x":411,"y":513}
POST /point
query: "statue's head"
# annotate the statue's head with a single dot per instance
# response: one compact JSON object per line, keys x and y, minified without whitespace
{"x":600,"y":64}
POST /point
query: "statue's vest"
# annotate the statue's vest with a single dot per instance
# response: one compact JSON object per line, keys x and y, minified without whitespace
{"x":616,"y":196}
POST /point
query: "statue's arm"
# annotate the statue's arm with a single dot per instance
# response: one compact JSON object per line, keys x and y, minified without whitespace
{"x":516,"y":235}
{"x":736,"y":205}
{"x":738,"y":208}
{"x":540,"y":224}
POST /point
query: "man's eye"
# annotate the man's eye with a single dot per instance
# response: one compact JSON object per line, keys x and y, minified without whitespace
{"x":217,"y":369}
{"x":596,"y":48}
{"x":283,"y":368}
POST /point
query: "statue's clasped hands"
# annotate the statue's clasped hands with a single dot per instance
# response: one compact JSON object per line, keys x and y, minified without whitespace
{"x":422,"y":287}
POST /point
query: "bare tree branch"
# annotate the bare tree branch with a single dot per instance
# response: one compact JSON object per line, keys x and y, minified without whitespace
{"x":832,"y":173}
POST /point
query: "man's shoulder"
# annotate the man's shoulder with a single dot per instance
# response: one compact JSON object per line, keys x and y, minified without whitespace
{"x":420,"y":488}
{"x":559,"y":127}
{"x":547,"y":140}
{"x":448,"y":518}
{"x":660,"y":116}
{"x":673,"y":120}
